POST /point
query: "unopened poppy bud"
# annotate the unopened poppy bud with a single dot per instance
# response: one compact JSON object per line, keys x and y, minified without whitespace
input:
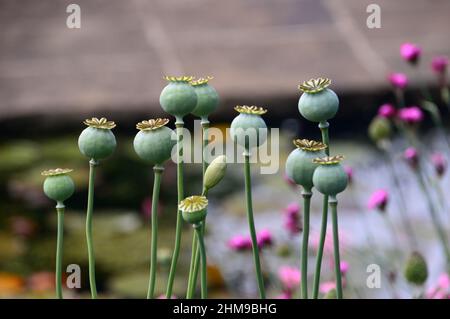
{"x":215,"y":172}
{"x":379,"y":129}
{"x":416,"y":270}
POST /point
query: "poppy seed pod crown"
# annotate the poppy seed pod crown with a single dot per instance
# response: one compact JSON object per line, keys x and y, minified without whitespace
{"x":317,"y":103}
{"x":193,"y":209}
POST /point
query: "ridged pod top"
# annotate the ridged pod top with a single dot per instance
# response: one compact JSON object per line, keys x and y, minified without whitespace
{"x":184,"y":78}
{"x":193,"y":204}
{"x":151,"y":124}
{"x":56,"y":171}
{"x":329,"y":160}
{"x":102,"y":123}
{"x":314,"y":85}
{"x":309,"y":145}
{"x":201,"y":81}
{"x":255,"y":110}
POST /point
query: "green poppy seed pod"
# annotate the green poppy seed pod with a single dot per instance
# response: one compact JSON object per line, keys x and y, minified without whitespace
{"x":379,"y":129}
{"x":58,"y":185}
{"x":97,"y":141}
{"x":248,"y":129}
{"x":299,"y":164}
{"x":317,"y":103}
{"x":215,"y":172}
{"x":193,"y":209}
{"x":154,"y":141}
{"x":178,"y":98}
{"x":416,"y":270}
{"x":330,"y":178}
{"x":207,"y":97}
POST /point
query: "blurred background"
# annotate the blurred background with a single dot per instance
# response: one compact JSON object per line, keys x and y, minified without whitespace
{"x":53,"y":77}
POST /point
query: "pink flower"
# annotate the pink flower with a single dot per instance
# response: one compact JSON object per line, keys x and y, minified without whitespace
{"x":164,"y":297}
{"x":439,"y":64}
{"x":411,"y":114}
{"x":284,"y":295}
{"x":378,"y":200}
{"x":442,"y":288}
{"x":264,"y":238}
{"x":289,"y":277}
{"x":292,"y":218}
{"x":411,"y":156}
{"x":326,"y":286}
{"x":398,"y":80}
{"x":344,"y":267}
{"x":240,"y":243}
{"x":439,"y":163}
{"x":349,"y":172}
{"x":387,"y":110}
{"x":328,"y":246}
{"x":410,"y":52}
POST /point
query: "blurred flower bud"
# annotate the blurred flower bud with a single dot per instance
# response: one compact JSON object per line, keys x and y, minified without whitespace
{"x":398,"y":80}
{"x":416,"y":270}
{"x":349,"y":172}
{"x":439,"y":64}
{"x":412,"y":157}
{"x":264,"y":238}
{"x":240,"y":243}
{"x":410,"y":52}
{"x":378,"y":200}
{"x":439,"y":163}
{"x":411,"y":114}
{"x":387,"y":110}
{"x":379,"y":129}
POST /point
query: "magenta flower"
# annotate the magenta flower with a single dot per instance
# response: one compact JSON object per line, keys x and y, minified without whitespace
{"x":441,"y":290}
{"x":411,"y":114}
{"x":284,"y":295}
{"x":439,"y":64}
{"x":240,"y":243}
{"x":387,"y":110}
{"x":439,"y":163}
{"x":344,"y":267}
{"x":326,"y":286}
{"x":412,"y":157}
{"x":378,"y":200}
{"x":292,"y":221}
{"x":289,"y":277}
{"x":349,"y":172}
{"x":410,"y":52}
{"x":264,"y":238}
{"x":398,"y":80}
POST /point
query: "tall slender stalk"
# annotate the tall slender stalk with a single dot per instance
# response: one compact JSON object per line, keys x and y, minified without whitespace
{"x":180,"y":189}
{"x":59,"y":249}
{"x":306,"y":194}
{"x":251,"y":224}
{"x":337,"y":261}
{"x":195,"y":257}
{"x":158,"y":170}
{"x":323,"y":126}
{"x":90,"y":244}
{"x":201,"y":245}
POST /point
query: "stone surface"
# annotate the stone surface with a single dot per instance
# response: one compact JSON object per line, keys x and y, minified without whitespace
{"x":256,"y":49}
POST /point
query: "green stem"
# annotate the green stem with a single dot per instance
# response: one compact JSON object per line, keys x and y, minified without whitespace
{"x":59,"y":250}
{"x":323,"y":126}
{"x":251,"y":224}
{"x":201,"y":245}
{"x":158,"y":170}
{"x":304,"y":270}
{"x":337,"y":260}
{"x":434,"y":217}
{"x":90,"y":244}
{"x":195,"y":257}
{"x":176,"y":252}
